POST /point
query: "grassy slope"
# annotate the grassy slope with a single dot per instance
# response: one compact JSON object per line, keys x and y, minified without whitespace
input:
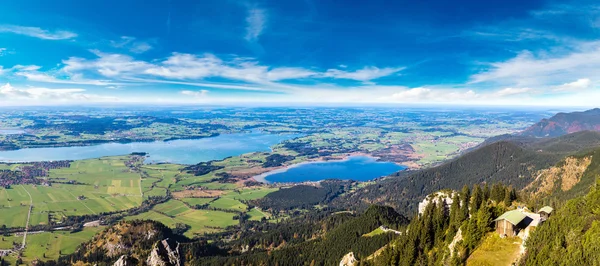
{"x":496,"y":251}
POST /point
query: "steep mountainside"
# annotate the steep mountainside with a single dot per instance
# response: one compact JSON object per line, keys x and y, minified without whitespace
{"x":565,"y":123}
{"x":349,"y":236}
{"x":570,"y":178}
{"x":570,"y":237}
{"x":128,"y":243}
{"x":512,"y":162}
{"x":152,"y":243}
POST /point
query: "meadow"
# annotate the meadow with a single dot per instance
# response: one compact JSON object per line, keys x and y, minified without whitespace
{"x":200,"y":221}
{"x":48,"y":245}
{"x":86,"y":187}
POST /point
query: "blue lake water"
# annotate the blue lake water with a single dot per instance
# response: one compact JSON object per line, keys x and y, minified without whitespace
{"x":189,"y":151}
{"x":359,"y":168}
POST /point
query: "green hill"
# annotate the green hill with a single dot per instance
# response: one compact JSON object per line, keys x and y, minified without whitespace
{"x":513,"y":162}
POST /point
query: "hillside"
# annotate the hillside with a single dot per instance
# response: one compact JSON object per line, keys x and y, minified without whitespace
{"x":513,"y":162}
{"x":324,"y":239}
{"x":565,"y":123}
{"x":571,"y":236}
{"x":350,"y":235}
{"x":127,"y":243}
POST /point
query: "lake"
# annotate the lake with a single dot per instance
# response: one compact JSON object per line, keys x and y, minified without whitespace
{"x":188,"y":151}
{"x":359,"y":168}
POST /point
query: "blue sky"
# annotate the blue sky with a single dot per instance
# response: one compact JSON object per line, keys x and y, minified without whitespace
{"x":300,"y":52}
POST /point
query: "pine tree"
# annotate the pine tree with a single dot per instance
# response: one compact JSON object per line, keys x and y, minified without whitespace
{"x":440,"y":221}
{"x":465,"y":198}
{"x":486,"y":192}
{"x":476,"y":199}
{"x":455,"y":215}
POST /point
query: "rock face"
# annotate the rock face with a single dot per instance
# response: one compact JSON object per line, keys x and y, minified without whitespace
{"x":163,"y":255}
{"x":348,"y":260}
{"x":561,"y":177}
{"x":457,"y":237}
{"x":437,"y":197}
{"x":565,"y":123}
{"x":125,"y":261}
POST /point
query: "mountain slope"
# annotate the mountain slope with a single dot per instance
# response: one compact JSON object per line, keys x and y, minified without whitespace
{"x":127,"y":243}
{"x":512,"y":162}
{"x":570,"y":237}
{"x":329,"y":249}
{"x":565,"y":123}
{"x":572,"y":177}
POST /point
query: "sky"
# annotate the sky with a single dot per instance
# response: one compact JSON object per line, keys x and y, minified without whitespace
{"x":496,"y":52}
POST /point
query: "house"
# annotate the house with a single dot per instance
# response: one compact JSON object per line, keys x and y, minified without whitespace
{"x":545,"y":212}
{"x":512,"y":223}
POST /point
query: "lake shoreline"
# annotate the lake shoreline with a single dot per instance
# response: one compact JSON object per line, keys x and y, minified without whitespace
{"x":321,"y":160}
{"x":182,"y":151}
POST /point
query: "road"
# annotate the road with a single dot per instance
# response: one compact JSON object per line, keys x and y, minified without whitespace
{"x":28,"y":216}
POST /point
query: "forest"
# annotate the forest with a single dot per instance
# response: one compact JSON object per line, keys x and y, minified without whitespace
{"x":304,"y":196}
{"x":571,"y":236}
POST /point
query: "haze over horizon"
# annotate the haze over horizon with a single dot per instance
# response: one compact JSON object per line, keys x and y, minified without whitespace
{"x":467,"y":53}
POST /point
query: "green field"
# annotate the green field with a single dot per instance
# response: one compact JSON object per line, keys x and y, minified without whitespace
{"x":103,"y":185}
{"x":256,"y":214}
{"x":249,"y":194}
{"x":200,"y":221}
{"x":49,"y":245}
{"x":197,"y":201}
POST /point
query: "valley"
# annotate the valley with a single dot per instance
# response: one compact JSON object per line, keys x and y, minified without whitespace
{"x":221,"y":202}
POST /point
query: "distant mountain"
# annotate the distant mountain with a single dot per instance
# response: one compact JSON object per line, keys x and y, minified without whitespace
{"x":565,"y":123}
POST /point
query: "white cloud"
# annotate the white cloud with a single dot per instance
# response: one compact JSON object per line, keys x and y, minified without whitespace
{"x":195,"y":94}
{"x":109,"y":65}
{"x":511,"y":91}
{"x":2,"y":51}
{"x":10,"y":93}
{"x":38,"y":32}
{"x":188,"y":67}
{"x":365,"y":74}
{"x":33,"y":73}
{"x":579,"y":84}
{"x":284,"y":73}
{"x":131,"y":44}
{"x":256,"y":21}
{"x":433,"y":95}
{"x":73,"y":79}
{"x":546,"y":68}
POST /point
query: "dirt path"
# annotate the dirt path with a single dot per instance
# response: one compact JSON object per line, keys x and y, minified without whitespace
{"x":28,"y":216}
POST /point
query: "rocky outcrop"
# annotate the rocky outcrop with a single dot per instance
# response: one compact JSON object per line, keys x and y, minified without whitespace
{"x":348,"y":260}
{"x":457,"y":237}
{"x":437,"y":197}
{"x":163,"y":255}
{"x":561,"y":177}
{"x":125,"y":261}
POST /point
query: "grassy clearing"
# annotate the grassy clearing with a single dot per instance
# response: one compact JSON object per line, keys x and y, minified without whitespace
{"x":377,"y":231}
{"x":249,"y":194}
{"x":496,"y":251}
{"x":256,"y":214}
{"x":197,"y":201}
{"x":200,"y":221}
{"x":229,"y":204}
